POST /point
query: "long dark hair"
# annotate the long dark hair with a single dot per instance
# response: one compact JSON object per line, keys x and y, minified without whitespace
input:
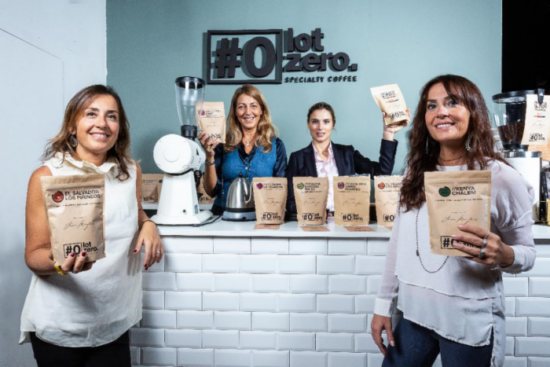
{"x":119,"y":153}
{"x":424,"y":151}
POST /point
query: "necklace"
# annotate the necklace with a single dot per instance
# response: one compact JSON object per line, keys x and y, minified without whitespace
{"x":452,"y":159}
{"x":418,"y":251}
{"x":247,"y":142}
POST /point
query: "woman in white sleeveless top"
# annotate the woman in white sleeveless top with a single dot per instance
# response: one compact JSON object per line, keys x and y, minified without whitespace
{"x":79,"y":314}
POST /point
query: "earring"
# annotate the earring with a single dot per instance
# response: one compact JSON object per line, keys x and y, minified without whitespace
{"x":470,"y":137}
{"x":72,"y":141}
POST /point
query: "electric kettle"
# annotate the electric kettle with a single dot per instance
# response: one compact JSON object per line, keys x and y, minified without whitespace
{"x":240,"y":201}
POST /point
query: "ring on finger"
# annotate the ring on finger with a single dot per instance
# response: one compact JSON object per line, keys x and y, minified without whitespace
{"x":158,"y":252}
{"x":484,"y":242}
{"x":481,"y":254}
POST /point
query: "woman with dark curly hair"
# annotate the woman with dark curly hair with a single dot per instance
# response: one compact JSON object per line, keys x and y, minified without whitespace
{"x":452,"y":306}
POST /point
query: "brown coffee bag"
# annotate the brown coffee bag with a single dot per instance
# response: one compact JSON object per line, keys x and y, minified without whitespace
{"x":537,"y":122}
{"x":74,"y":207}
{"x":311,"y":195}
{"x":202,"y":196}
{"x":270,"y":199}
{"x":212,"y":120}
{"x":386,"y":195}
{"x":351,"y":200}
{"x":391,"y":101}
{"x":151,"y":184}
{"x":453,"y":198}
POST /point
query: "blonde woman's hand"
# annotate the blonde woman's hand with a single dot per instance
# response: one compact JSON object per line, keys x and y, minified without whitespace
{"x":150,"y":238}
{"x":207,"y":143}
{"x":391,"y":130}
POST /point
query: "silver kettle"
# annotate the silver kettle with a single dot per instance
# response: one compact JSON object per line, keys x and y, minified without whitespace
{"x":240,"y":201}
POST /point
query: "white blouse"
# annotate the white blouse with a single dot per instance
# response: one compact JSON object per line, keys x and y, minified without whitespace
{"x":328,"y":169}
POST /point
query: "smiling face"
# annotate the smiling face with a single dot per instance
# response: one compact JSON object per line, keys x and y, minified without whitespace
{"x":447,"y":119}
{"x":320,"y":125}
{"x":97,"y":129}
{"x":248,"y":112}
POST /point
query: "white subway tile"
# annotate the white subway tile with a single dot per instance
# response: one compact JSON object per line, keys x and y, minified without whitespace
{"x":338,"y":342}
{"x":232,"y":320}
{"x":295,"y":341}
{"x":196,"y":282}
{"x":153,"y":300}
{"x":539,"y":287}
{"x":232,"y":358}
{"x":300,"y":264}
{"x":183,"y":263}
{"x":373,"y":283}
{"x":516,"y":326}
{"x":510,"y":306}
{"x":340,"y":323}
{"x":159,"y":356}
{"x":258,"y":264}
{"x":270,"y":283}
{"x":183,"y":338}
{"x":516,"y":287}
{"x":535,"y":306}
{"x":335,"y":264}
{"x":308,"y":359}
{"x":364,"y":343}
{"x":539,"y":326}
{"x":195,"y":357}
{"x":183,"y":301}
{"x":314,"y":322}
{"x":264,"y":245}
{"x":510,"y":344}
{"x":347,"y":359}
{"x":195,"y":320}
{"x":156,"y":267}
{"x":160,"y":319}
{"x":258,"y":302}
{"x":270,"y":358}
{"x":308,"y":246}
{"x":538,"y":362}
{"x":296,"y":302}
{"x":135,"y":354}
{"x":532,"y":347}
{"x":258,"y":340}
{"x":147,"y":337}
{"x":188,"y":245}
{"x":347,"y":284}
{"x":540,"y":269}
{"x":220,"y":263}
{"x":377,"y":246}
{"x":374,"y":359}
{"x":331,"y":303}
{"x":222,"y":339}
{"x":347,"y":246}
{"x":158,"y":281}
{"x":543,"y":250}
{"x":369,"y":265}
{"x":308,"y":284}
{"x":220,"y":301}
{"x":231,"y":245}
{"x":270,"y":321}
{"x":232,"y":282}
{"x":364,"y":303}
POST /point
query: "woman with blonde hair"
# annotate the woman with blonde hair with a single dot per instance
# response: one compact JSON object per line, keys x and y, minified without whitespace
{"x":252,"y":148}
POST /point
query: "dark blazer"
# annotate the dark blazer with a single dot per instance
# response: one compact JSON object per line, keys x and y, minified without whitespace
{"x":348,"y":161}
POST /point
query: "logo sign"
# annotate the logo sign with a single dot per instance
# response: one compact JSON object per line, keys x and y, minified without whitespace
{"x":258,"y":56}
{"x":58,"y":197}
{"x":444,"y":191}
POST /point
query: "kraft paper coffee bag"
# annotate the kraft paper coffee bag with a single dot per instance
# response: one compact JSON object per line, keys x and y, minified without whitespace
{"x":386,"y":195}
{"x":311,"y":195}
{"x":351,"y":200}
{"x":151,"y":184}
{"x":453,"y":198}
{"x":537,"y":122}
{"x":74,"y":207}
{"x":270,"y":199}
{"x":390,"y":100}
{"x":202,"y":196}
{"x":212,"y":120}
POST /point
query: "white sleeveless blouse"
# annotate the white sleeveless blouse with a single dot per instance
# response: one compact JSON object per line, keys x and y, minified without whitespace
{"x":95,"y":307}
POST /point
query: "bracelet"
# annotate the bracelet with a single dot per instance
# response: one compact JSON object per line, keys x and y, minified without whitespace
{"x":59,"y":270}
{"x":206,"y":163}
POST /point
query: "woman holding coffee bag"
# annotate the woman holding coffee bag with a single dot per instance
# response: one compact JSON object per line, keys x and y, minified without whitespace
{"x":322,"y":158}
{"x":452,"y":305}
{"x":78,"y":313}
{"x":252,"y":148}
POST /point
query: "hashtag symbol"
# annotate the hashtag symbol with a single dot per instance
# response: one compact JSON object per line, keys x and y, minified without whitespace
{"x":227,"y":57}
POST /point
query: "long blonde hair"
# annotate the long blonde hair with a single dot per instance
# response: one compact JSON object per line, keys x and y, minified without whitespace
{"x":266,"y":130}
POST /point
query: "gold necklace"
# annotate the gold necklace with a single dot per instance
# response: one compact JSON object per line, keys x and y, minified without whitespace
{"x":452,"y":159}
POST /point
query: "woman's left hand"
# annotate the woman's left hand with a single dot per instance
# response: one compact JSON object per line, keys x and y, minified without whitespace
{"x":390,"y":130}
{"x":485,"y":247}
{"x":150,"y":238}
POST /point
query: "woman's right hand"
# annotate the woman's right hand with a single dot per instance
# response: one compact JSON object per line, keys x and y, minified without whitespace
{"x":76,"y":263}
{"x":208,"y":144}
{"x":378,"y":324}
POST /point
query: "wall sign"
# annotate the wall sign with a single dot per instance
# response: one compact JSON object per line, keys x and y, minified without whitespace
{"x":258,"y":57}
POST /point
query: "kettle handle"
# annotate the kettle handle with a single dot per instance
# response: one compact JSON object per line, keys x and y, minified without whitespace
{"x":248,"y":192}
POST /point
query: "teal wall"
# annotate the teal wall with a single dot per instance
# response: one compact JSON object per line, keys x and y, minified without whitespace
{"x":150,"y":43}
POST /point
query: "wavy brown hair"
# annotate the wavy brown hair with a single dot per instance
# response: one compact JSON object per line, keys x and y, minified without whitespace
{"x":466,"y":93}
{"x":119,"y":153}
{"x":266,"y":130}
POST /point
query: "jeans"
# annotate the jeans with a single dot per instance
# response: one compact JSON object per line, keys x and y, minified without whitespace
{"x":417,"y":346}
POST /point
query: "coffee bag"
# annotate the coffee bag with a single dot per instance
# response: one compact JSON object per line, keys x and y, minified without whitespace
{"x":311,"y":195}
{"x":151,"y":184}
{"x":537,"y":122}
{"x":74,"y":207}
{"x":212,"y":120}
{"x":390,"y":100}
{"x":270,"y":199}
{"x":386,"y":195}
{"x":453,"y":198}
{"x":351,"y":200}
{"x":202,"y":196}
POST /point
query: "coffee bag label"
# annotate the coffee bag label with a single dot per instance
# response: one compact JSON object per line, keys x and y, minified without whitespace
{"x":311,"y":195}
{"x":151,"y":185}
{"x":212,"y":120}
{"x":391,"y":101}
{"x":270,"y":199}
{"x":386,"y":195}
{"x":537,"y":122}
{"x":351,"y":200}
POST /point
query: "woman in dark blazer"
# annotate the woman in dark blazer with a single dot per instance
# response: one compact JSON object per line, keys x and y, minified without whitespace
{"x":322,"y":158}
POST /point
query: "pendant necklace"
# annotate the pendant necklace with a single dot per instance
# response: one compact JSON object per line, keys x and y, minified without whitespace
{"x":452,"y":159}
{"x":418,"y":251}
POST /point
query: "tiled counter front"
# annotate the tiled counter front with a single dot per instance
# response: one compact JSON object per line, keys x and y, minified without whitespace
{"x":231,"y":296}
